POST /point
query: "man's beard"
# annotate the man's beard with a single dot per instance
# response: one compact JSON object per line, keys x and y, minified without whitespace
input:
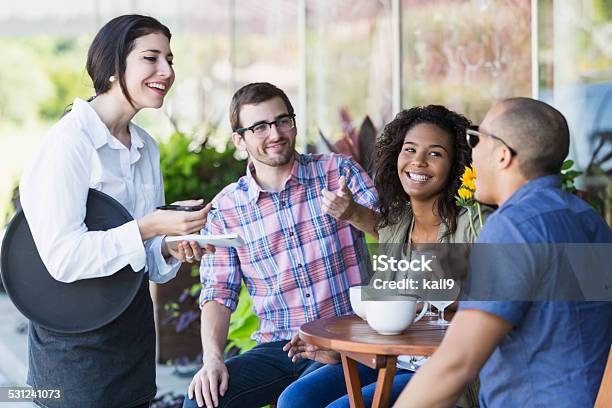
{"x":277,"y":160}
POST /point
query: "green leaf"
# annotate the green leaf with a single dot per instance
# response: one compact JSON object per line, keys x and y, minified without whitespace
{"x":195,"y":288}
{"x":244,"y":332}
{"x":572,"y":174}
{"x":567,"y":165}
{"x":171,"y":306}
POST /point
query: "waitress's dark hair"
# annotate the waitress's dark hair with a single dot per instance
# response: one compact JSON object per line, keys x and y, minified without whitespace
{"x":111,"y":46}
{"x":393,"y":201}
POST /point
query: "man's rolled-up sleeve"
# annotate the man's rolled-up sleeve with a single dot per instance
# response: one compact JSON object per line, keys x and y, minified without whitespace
{"x":219,"y":272}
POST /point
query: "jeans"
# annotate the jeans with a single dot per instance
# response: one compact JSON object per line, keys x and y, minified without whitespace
{"x":325,"y":387}
{"x":257,"y":377}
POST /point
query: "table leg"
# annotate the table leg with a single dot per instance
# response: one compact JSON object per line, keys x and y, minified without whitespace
{"x":353,"y":384}
{"x":384,"y":383}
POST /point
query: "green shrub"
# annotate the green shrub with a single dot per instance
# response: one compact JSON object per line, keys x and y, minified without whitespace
{"x":196,"y":172}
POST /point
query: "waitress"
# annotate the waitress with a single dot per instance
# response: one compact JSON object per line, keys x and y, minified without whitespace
{"x":95,"y":145}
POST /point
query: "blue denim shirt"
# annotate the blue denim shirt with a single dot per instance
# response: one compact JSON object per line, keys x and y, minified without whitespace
{"x":556,"y":352}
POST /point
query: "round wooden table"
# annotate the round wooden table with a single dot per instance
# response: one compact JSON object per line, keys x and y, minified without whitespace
{"x":357,"y":342}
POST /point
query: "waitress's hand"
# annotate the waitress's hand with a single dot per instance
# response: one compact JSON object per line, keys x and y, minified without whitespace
{"x":167,"y":222}
{"x":182,"y":222}
{"x":188,"y":251}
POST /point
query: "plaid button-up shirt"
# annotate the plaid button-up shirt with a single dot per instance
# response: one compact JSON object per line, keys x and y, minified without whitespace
{"x":298,"y":262}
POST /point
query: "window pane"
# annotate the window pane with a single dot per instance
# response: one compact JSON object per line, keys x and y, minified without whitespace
{"x":465,"y":54}
{"x":349,"y":52}
{"x":575,"y":71}
{"x":266,"y":44}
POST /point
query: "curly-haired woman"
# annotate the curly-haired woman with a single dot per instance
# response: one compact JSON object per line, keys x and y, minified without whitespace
{"x":418,"y":161}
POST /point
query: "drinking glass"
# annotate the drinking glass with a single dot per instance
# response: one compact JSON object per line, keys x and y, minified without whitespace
{"x":441,"y":305}
{"x":430,"y":312}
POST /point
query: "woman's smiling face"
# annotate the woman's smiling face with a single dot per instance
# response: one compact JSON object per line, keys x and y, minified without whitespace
{"x":424,"y":163}
{"x":149,"y":73}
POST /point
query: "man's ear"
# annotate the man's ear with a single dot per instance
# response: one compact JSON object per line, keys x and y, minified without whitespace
{"x":238,"y":140}
{"x":504,"y":158}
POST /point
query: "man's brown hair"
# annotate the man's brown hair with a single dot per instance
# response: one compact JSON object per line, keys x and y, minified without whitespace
{"x":254,"y":93}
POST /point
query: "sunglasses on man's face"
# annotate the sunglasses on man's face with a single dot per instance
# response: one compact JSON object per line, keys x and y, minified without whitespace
{"x":473,"y":135}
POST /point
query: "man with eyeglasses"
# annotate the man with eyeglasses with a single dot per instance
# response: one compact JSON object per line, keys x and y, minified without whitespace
{"x":532,"y":346}
{"x":300,"y":217}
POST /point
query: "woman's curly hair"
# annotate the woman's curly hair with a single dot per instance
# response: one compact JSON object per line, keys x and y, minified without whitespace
{"x":393,"y":201}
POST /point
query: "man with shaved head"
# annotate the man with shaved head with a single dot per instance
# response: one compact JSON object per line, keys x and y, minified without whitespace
{"x":532,"y":352}
{"x":538,"y":130}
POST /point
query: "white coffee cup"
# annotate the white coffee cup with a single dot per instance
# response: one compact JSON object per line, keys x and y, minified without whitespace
{"x":394,"y":314}
{"x":357,"y":303}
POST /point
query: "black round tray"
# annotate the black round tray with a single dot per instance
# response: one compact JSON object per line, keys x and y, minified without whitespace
{"x":76,"y":307}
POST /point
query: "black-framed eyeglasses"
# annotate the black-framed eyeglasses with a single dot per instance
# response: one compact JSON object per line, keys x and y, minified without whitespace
{"x":262,"y":129}
{"x":473,"y":134}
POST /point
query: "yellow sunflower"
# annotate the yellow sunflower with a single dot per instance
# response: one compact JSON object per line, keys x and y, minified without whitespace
{"x":465,"y":193}
{"x":469,"y":178}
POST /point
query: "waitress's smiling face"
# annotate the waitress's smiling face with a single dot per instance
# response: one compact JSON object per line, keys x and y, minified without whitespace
{"x":149,"y":73}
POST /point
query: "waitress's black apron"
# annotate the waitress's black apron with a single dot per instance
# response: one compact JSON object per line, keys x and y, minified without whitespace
{"x":113,"y":366}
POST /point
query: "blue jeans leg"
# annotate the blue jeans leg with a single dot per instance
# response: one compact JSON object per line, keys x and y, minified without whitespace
{"x":399,"y":383}
{"x":321,"y":387}
{"x":257,"y":377}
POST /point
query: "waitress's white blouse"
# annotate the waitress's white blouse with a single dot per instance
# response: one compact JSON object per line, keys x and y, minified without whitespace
{"x":77,"y":154}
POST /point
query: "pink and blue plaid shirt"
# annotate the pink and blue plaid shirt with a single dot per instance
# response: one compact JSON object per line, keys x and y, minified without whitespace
{"x":298,"y":262}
